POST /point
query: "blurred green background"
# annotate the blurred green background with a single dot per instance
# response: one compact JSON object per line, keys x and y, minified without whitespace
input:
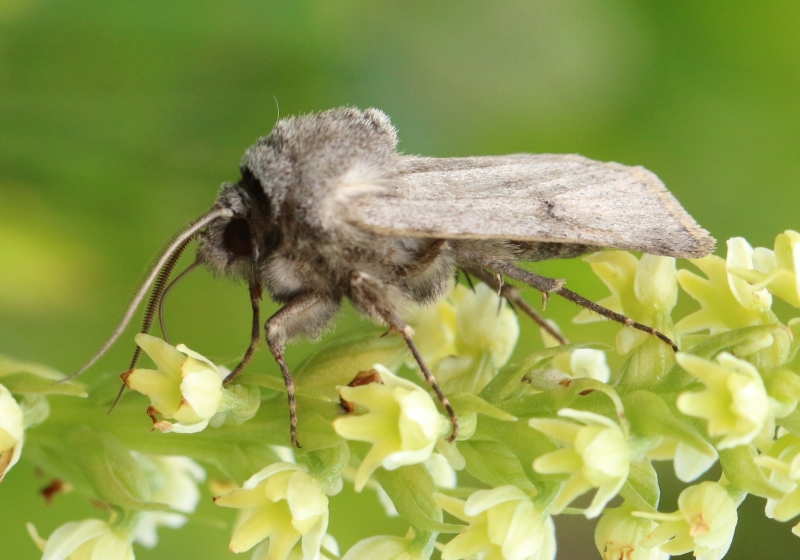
{"x":119,"y":120}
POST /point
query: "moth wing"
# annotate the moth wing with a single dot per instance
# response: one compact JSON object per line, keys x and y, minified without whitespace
{"x":526,"y":197}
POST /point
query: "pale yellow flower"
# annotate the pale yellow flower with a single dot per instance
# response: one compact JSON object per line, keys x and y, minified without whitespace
{"x":726,"y":302}
{"x":689,"y":461}
{"x":735,"y":401}
{"x":329,"y":550}
{"x":595,"y":454}
{"x":385,"y":547}
{"x":777,"y":271}
{"x":12,"y":432}
{"x":643,"y":289}
{"x":284,"y":504}
{"x":186,"y":387}
{"x":504,"y":523}
{"x":172,"y":481}
{"x":704,"y":523}
{"x":618,"y":535}
{"x":402,"y":423}
{"x":90,"y":539}
{"x":784,"y":464}
{"x":466,"y":338}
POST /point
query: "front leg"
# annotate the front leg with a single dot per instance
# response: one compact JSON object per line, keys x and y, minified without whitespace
{"x":305,"y":314}
{"x":378,"y":299}
{"x":255,"y":332}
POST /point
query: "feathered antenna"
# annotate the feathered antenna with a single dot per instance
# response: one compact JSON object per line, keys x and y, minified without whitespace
{"x":178,"y":244}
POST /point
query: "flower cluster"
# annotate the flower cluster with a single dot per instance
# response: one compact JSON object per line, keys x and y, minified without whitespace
{"x":567,"y":429}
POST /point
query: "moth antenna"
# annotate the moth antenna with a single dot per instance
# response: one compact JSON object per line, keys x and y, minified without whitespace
{"x":163,"y":298}
{"x":185,"y":236}
{"x":278,"y":109}
{"x":157,"y":295}
{"x":116,"y":399}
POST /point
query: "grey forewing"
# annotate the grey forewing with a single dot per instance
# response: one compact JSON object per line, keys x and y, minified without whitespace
{"x":523,"y":197}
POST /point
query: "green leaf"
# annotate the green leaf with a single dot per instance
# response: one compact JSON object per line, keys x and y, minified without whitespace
{"x":717,"y":343}
{"x":411,"y":489}
{"x":526,"y":444}
{"x":9,"y":366}
{"x":508,"y":380}
{"x":277,"y":384}
{"x":494,"y":464}
{"x":32,"y":384}
{"x":111,"y":470}
{"x":740,"y":469}
{"x":641,"y":489}
{"x":343,"y":357}
{"x":650,"y":416}
{"x":467,"y":403}
{"x":329,"y":463}
{"x":791,"y":422}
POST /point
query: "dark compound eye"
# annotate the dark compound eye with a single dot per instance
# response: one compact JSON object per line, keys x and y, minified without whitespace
{"x":237,"y":237}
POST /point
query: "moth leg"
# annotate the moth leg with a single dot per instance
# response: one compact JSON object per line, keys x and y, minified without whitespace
{"x":425,"y":260}
{"x":514,"y":297}
{"x":370,"y":295}
{"x":255,"y":333}
{"x":551,"y":285}
{"x":306,"y":313}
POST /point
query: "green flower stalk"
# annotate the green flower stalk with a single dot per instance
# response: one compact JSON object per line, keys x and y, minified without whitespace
{"x":584,"y":419}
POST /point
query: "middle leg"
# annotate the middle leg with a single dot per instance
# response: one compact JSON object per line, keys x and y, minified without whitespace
{"x":374,"y":297}
{"x":306,"y":314}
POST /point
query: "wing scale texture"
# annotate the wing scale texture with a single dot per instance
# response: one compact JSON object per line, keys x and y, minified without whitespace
{"x":524,"y":197}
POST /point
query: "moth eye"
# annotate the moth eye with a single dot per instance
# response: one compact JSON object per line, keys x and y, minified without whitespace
{"x":237,"y":237}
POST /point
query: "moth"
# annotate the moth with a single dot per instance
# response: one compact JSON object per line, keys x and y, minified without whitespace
{"x":327,"y":209}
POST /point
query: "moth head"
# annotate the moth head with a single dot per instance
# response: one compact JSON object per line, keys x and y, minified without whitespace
{"x":237,"y":245}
